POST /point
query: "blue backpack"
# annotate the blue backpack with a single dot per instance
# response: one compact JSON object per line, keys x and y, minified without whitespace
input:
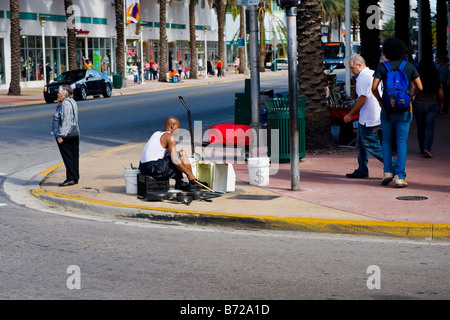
{"x":396,"y":90}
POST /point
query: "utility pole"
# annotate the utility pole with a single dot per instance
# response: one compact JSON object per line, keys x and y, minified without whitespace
{"x":348,"y":39}
{"x":254,"y":63}
{"x":291,"y":15}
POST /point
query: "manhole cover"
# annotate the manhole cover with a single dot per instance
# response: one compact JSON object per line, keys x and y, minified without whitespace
{"x":412,"y":198}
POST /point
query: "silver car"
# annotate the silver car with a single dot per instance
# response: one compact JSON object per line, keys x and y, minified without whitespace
{"x":281,"y":64}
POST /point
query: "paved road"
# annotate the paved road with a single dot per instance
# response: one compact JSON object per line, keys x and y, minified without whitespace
{"x":130,"y":260}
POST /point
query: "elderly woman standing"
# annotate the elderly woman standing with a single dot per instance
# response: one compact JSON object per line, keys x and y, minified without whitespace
{"x":66,"y":132}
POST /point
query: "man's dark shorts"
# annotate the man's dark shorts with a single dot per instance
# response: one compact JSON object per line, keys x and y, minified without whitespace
{"x":161,"y":169}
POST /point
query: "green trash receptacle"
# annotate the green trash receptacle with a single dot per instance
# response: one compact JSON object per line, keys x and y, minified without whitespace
{"x":117,"y":80}
{"x":274,"y":66}
{"x":278,"y":119}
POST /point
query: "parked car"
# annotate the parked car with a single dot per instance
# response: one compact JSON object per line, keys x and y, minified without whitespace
{"x":281,"y":64}
{"x":84,"y":82}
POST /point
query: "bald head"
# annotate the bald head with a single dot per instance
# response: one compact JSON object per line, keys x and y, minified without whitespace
{"x":171,"y":124}
{"x":357,"y":64}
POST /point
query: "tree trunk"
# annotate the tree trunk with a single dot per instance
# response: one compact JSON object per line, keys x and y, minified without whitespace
{"x":311,"y":76}
{"x":242,"y":35}
{"x":370,"y":34}
{"x":402,"y":24}
{"x":221,"y":32}
{"x":441,"y":27}
{"x":193,"y":41}
{"x":427,"y":40}
{"x":14,"y":86}
{"x":162,"y":42}
{"x":120,"y":41}
{"x":71,"y":35}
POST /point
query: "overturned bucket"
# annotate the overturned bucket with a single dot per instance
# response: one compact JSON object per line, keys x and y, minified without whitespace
{"x":258,"y":170}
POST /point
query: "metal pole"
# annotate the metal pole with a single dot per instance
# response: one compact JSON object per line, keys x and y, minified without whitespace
{"x":348,"y":37}
{"x":254,"y":66}
{"x":206,"y":54}
{"x":291,"y":16}
{"x":142,"y":52}
{"x":44,"y":67}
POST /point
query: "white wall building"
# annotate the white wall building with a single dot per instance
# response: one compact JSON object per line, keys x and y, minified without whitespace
{"x":96,"y":35}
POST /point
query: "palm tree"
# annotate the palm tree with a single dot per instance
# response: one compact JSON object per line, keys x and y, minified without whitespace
{"x":402,"y":23}
{"x":441,"y":27}
{"x":333,"y":11}
{"x":310,"y":75}
{"x":14,"y":86}
{"x":193,"y":41}
{"x":220,"y":9}
{"x":425,"y":23}
{"x":120,"y":41}
{"x":370,"y":35}
{"x":388,"y":28}
{"x":263,"y":7}
{"x":242,"y":35}
{"x":162,"y":41}
{"x":71,"y":36}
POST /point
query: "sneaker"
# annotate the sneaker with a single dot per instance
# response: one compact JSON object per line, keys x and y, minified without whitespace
{"x":387,"y":178}
{"x":400,"y":183}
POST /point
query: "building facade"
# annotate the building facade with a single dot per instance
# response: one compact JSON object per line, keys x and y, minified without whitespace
{"x":95,"y":26}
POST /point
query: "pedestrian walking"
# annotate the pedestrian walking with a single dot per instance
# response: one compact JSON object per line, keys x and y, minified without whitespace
{"x":395,"y":120}
{"x":219,"y":67}
{"x":135,"y":71}
{"x":426,"y":105}
{"x":180,"y":68}
{"x":146,"y":70}
{"x":66,"y":131}
{"x":155,"y":70}
{"x":368,"y":141}
{"x":210,"y":67}
{"x":236,"y":65}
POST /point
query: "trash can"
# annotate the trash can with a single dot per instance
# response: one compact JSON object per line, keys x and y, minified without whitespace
{"x":117,"y":80}
{"x":278,"y":118}
{"x":274,"y":66}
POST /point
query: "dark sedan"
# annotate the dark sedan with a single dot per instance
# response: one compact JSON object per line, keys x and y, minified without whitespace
{"x":84,"y":82}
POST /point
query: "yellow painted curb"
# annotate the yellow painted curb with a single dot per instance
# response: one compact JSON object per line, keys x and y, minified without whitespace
{"x":412,"y":230}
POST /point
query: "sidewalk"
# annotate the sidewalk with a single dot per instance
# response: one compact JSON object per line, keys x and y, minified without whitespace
{"x":327,"y":201}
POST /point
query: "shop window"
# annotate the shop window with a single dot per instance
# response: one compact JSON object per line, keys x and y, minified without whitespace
{"x":2,"y":62}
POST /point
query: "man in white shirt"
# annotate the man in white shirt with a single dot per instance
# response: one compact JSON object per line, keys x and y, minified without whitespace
{"x":161,"y":160}
{"x":368,"y":141}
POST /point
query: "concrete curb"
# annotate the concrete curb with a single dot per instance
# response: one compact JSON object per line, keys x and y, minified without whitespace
{"x":412,"y":230}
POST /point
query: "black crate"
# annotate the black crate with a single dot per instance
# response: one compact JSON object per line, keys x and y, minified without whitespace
{"x":148,"y":184}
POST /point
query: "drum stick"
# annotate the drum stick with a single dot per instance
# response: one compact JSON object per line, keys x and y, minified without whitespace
{"x":204,"y":186}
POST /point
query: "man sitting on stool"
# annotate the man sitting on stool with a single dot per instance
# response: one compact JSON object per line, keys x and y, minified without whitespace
{"x":161,"y":160}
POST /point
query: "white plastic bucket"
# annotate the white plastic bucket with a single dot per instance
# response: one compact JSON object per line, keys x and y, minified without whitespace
{"x":131,"y":180}
{"x":258,"y":169}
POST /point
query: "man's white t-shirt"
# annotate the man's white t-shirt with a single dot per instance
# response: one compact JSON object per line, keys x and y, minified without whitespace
{"x":369,"y":115}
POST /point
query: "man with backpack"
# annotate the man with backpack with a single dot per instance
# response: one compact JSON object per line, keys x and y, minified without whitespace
{"x":397,"y":76}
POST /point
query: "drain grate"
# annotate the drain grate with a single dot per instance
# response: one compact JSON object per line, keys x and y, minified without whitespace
{"x":412,"y":198}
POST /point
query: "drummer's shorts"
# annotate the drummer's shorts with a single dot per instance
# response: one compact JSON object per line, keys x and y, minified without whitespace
{"x":161,"y":169}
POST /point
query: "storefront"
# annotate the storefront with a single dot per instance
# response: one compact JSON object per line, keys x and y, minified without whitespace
{"x":100,"y":52}
{"x":2,"y":61}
